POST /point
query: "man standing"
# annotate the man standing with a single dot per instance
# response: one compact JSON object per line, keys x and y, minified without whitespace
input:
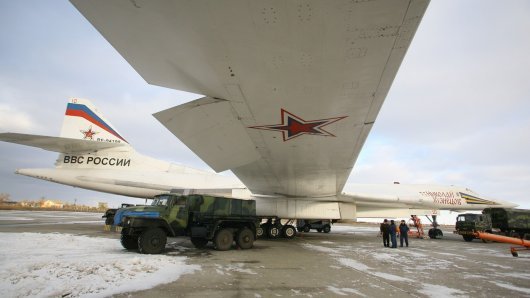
{"x":393,"y":230}
{"x":384,"y":231}
{"x":403,"y":233}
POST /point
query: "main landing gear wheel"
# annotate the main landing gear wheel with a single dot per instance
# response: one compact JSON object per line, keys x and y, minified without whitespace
{"x":259,"y":232}
{"x":273,"y":231}
{"x":223,"y":240}
{"x":288,"y":231}
{"x":245,"y":239}
{"x":152,"y":241}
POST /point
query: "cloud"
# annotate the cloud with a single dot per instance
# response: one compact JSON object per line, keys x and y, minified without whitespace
{"x":13,"y":120}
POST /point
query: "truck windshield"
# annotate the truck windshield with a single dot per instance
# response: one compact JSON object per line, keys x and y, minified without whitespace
{"x":160,"y":201}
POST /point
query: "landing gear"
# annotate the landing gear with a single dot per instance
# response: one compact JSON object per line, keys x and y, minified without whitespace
{"x":288,"y":231}
{"x":273,"y":229}
{"x":435,"y":233}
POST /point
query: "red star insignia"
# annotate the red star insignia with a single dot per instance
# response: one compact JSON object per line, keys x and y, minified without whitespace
{"x":293,"y":126}
{"x":88,"y":134}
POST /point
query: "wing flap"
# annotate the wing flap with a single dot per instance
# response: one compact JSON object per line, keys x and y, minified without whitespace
{"x":57,"y":144}
{"x":209,"y":127}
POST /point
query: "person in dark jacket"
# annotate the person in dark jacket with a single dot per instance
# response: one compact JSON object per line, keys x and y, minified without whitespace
{"x":384,"y":231}
{"x":403,"y":233}
{"x":393,"y":231}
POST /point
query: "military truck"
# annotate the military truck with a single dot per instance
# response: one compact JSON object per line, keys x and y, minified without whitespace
{"x":203,"y":218}
{"x":109,"y":213}
{"x":468,"y":224}
{"x":508,"y":222}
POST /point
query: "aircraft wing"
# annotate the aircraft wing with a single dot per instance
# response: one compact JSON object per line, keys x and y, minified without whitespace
{"x":292,"y":88}
{"x":57,"y":144}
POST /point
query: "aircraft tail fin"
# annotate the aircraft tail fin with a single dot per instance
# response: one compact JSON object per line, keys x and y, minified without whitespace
{"x":82,"y":120}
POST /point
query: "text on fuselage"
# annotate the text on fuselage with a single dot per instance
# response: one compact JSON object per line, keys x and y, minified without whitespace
{"x":95,"y":160}
{"x":443,"y":197}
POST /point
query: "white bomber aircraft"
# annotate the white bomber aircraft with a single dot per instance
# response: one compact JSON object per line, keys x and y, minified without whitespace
{"x":292,"y":90}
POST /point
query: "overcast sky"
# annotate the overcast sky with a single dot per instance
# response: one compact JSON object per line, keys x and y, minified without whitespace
{"x":457,"y":113}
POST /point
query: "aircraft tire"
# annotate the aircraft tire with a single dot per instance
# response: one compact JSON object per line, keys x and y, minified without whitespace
{"x":245,"y":238}
{"x":152,"y":241}
{"x":288,"y":231}
{"x":199,"y":242}
{"x":438,"y":234}
{"x":259,"y":232}
{"x":273,"y":232}
{"x":129,"y":242}
{"x":223,"y":240}
{"x":435,"y":233}
{"x":326,"y":229}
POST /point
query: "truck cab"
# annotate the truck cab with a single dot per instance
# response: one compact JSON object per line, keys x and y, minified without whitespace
{"x":468,"y":224}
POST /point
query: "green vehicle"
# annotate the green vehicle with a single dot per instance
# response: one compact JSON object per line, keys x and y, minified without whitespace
{"x":468,"y":224}
{"x":507,"y":222}
{"x":510,"y":222}
{"x":203,"y":218}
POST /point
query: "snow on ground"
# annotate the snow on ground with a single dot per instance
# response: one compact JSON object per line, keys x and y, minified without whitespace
{"x":72,"y":266}
{"x":512,"y":287}
{"x":345,"y":291}
{"x":437,"y":291}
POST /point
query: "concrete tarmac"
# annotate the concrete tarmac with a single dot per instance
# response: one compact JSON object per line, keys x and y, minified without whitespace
{"x":349,"y":261}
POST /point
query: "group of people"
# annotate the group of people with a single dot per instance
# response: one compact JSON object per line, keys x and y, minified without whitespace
{"x":390,"y":231}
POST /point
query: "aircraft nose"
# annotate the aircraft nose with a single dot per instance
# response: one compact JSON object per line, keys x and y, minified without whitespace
{"x":506,"y":204}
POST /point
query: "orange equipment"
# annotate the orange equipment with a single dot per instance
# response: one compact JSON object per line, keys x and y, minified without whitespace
{"x":504,"y":239}
{"x":415,"y":221}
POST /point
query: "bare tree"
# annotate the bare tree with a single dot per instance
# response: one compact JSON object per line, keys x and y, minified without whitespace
{"x":4,"y":197}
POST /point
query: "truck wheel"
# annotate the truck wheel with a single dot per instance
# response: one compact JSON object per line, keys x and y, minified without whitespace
{"x":245,"y":238}
{"x":109,"y":220}
{"x":199,"y":242}
{"x":319,"y":230}
{"x":288,"y":231}
{"x":129,"y":242}
{"x":307,"y":228}
{"x":468,"y":238}
{"x":223,"y":240}
{"x":152,"y":241}
{"x":326,"y":229}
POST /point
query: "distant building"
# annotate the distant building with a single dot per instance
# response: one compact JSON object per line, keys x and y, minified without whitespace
{"x":51,"y":204}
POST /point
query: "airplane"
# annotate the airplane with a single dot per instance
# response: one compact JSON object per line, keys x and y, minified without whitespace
{"x":95,"y":156}
{"x":291,"y":89}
